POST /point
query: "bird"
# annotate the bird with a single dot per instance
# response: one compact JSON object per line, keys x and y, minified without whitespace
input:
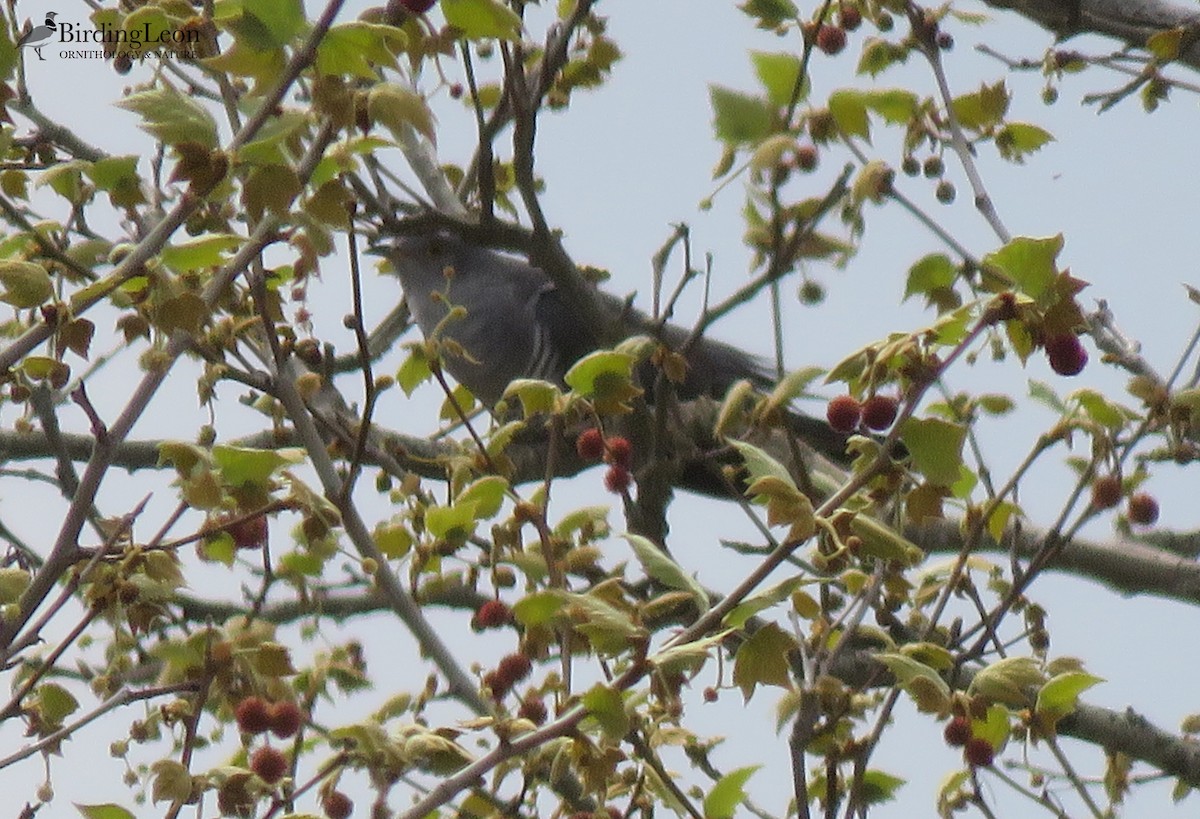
{"x":34,"y":37}
{"x":518,"y":325}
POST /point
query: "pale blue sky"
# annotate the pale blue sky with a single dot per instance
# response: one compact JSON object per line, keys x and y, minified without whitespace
{"x":626,"y":162}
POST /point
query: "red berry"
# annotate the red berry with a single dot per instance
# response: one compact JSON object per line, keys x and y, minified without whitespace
{"x":806,"y":157}
{"x":418,"y":6}
{"x":831,"y":39}
{"x":514,"y":668}
{"x":1143,"y":508}
{"x":492,"y":614}
{"x":499,"y":687}
{"x":958,"y":732}
{"x":249,"y":533}
{"x":456,"y":91}
{"x":618,"y":452}
{"x":710,"y":694}
{"x":286,"y":718}
{"x":613,"y":813}
{"x":533,"y":709}
{"x":617,"y":480}
{"x":844,"y":413}
{"x":1106,"y":491}
{"x":253,"y":715}
{"x":944,"y":41}
{"x":337,"y":805}
{"x":978,"y":752}
{"x":850,"y":17}
{"x":1066,"y":354}
{"x":590,"y":445}
{"x":269,"y":763}
{"x":879,"y":411}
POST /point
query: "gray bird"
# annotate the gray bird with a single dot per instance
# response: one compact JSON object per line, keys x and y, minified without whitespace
{"x":518,"y":326}
{"x":36,"y":35}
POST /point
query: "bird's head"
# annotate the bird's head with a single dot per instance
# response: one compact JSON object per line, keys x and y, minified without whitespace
{"x":426,"y":260}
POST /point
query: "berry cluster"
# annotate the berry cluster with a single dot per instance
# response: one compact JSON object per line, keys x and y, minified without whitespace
{"x":616,"y":451}
{"x":878,"y":412}
{"x":492,"y":614}
{"x":977,"y":751}
{"x":257,"y":716}
{"x":510,"y":671}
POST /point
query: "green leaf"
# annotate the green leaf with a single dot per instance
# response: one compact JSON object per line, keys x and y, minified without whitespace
{"x":739,"y":118}
{"x":172,"y":782}
{"x":65,"y":179}
{"x":394,"y":540}
{"x":357,"y":48}
{"x":997,"y":522}
{"x":414,"y":370}
{"x":609,"y":630}
{"x":535,"y":396}
{"x":689,"y":657}
{"x":605,"y":376}
{"x":105,"y":811}
{"x":275,"y":22}
{"x":1010,"y":681}
{"x":1044,"y":394}
{"x":929,"y":274}
{"x":918,"y":680}
{"x":1100,"y":409}
{"x":849,"y":109}
{"x":792,"y":386}
{"x":770,"y":13}
{"x":43,"y":368}
{"x":895,"y":105}
{"x":25,"y":284}
{"x":982,"y":109}
{"x":762,"y":659}
{"x":879,"y":786}
{"x":1059,"y":696}
{"x":592,"y":518}
{"x":271,"y":145}
{"x":1016,"y":140}
{"x":118,"y":176}
{"x":172,"y":117}
{"x":779,"y":74}
{"x":203,"y":251}
{"x":607,"y":707}
{"x":441,"y":521}
{"x":397,"y":108}
{"x":538,"y":609}
{"x":728,"y":794}
{"x":1165,"y":44}
{"x":273,"y":659}
{"x":751,"y":606}
{"x":761,"y":465}
{"x":936,"y":448}
{"x":879,"y":54}
{"x":1030,"y":263}
{"x":482,"y":19}
{"x":487,"y":494}
{"x":241,"y":465}
{"x":659,"y":565}
{"x":55,"y":703}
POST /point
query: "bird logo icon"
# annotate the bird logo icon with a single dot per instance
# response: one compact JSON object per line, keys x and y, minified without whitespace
{"x":36,"y":37}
